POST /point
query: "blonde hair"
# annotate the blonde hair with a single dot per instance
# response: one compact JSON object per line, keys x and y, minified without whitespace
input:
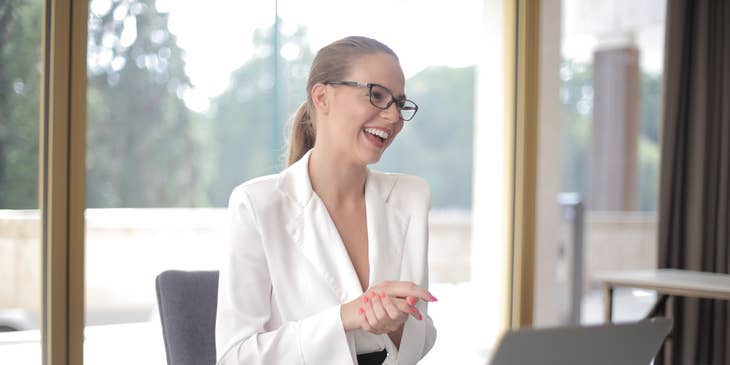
{"x":331,"y":63}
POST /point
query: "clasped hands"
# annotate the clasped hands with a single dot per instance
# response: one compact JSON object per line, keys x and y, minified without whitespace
{"x":385,"y":307}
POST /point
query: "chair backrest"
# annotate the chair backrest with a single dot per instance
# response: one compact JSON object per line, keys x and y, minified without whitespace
{"x":187,"y":302}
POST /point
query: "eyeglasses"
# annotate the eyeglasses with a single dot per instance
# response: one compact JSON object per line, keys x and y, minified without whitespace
{"x":379,"y":98}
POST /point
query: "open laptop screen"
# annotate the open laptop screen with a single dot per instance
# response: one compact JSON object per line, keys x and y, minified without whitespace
{"x":628,"y":343}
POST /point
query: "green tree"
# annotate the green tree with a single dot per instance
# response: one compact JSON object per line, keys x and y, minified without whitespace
{"x":20,"y":57}
{"x":145,"y":147}
{"x":438,"y":143}
{"x":249,"y":140}
{"x":649,"y":145}
{"x":577,"y":99}
{"x":576,"y":95}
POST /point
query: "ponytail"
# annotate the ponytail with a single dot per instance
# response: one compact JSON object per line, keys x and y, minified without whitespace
{"x":302,"y":135}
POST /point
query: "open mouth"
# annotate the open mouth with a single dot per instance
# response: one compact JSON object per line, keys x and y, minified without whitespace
{"x":378,"y":133}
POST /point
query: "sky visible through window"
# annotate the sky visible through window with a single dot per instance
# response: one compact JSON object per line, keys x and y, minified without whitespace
{"x":217,"y":35}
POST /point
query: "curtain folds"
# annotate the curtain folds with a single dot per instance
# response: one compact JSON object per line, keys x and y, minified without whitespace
{"x":694,"y":206}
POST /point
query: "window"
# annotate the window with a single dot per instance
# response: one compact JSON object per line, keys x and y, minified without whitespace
{"x":177,"y":117}
{"x":605,"y":101}
{"x":20,"y":229}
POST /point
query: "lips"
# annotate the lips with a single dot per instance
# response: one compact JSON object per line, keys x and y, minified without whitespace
{"x":375,"y":140}
{"x":380,"y":133}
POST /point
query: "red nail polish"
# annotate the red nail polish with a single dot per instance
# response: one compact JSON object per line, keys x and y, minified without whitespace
{"x":360,"y":311}
{"x":365,"y":300}
{"x":413,"y":310}
{"x":411,"y":300}
{"x":382,"y":295}
{"x":373,"y":294}
{"x":434,"y":298}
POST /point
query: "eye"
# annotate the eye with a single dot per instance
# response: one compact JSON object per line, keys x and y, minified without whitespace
{"x":378,"y":95}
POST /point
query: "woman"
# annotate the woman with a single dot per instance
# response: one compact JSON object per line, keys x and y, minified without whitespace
{"x":327,"y":259}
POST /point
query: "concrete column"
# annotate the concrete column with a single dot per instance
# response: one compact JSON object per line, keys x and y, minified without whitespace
{"x":613,"y":154}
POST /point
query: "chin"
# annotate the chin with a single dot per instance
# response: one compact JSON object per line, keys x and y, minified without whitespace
{"x":371,"y":158}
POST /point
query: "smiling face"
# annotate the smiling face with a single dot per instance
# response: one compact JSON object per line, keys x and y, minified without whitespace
{"x":349,"y":125}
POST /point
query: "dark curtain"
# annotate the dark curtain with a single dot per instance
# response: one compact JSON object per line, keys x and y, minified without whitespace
{"x":694,"y":206}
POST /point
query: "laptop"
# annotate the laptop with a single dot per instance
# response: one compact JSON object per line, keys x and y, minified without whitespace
{"x":627,"y":343}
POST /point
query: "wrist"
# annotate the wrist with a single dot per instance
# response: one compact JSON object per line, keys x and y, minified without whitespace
{"x":349,"y":317}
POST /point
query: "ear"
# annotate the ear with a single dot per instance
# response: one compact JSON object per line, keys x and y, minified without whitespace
{"x":319,"y":98}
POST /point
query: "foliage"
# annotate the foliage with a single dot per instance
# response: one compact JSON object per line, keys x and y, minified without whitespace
{"x":649,"y":143}
{"x":576,"y":95}
{"x":438,"y":143}
{"x":577,"y":99}
{"x":249,"y":119}
{"x":145,"y":147}
{"x":20,"y":54}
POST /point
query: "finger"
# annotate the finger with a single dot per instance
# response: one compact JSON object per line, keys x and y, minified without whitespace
{"x":405,"y":308}
{"x":370,"y":315}
{"x":391,"y":308}
{"x":379,"y":310}
{"x":364,"y":324}
{"x":411,"y":300}
{"x":405,"y":289}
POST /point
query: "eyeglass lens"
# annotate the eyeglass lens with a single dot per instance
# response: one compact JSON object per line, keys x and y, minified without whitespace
{"x":382,"y":98}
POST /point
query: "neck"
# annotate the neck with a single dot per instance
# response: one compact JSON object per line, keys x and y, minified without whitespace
{"x":336,"y":180}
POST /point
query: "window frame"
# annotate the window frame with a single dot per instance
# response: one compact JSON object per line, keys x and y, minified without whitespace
{"x":62,"y":179}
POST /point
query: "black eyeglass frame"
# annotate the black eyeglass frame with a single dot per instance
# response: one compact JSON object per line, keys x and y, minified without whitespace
{"x":400,"y":104}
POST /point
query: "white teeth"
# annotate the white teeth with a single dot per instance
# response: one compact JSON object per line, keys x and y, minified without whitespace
{"x":378,"y":132}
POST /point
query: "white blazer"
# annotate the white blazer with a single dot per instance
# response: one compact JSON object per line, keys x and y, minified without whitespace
{"x":287,"y":271}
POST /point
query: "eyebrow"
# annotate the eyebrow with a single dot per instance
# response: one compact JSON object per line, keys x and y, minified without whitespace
{"x":401,"y":96}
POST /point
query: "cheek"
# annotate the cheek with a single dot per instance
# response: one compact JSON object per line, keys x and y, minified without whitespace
{"x":397,"y":128}
{"x":355,"y":117}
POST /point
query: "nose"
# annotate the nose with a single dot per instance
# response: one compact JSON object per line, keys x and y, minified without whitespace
{"x":392,"y":113}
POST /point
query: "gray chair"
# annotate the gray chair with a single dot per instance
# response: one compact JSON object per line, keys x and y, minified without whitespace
{"x":187,"y":302}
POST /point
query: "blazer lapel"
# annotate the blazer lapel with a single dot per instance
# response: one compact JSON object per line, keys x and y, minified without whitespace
{"x":387,"y":226}
{"x":315,"y":234}
{"x":323,"y":246}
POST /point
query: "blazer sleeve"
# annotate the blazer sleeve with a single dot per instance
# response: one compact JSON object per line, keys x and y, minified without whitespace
{"x":244,"y":307}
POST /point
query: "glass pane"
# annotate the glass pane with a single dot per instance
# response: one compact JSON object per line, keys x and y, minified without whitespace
{"x":157,"y":182}
{"x":186,"y":100}
{"x":20,"y":241}
{"x":438,"y":144}
{"x":610,"y":86}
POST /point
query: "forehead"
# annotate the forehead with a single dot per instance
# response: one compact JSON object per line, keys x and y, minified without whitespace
{"x":378,"y":68}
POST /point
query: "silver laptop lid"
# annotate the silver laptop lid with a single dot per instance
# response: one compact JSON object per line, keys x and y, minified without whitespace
{"x":628,"y":343}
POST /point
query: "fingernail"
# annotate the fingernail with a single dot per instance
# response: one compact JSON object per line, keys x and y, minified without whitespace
{"x":420,"y":317}
{"x":373,"y":294}
{"x":433,"y":299}
{"x":413,"y":310}
{"x":360,"y":311}
{"x":382,"y":295}
{"x":365,"y":300}
{"x":411,"y":300}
